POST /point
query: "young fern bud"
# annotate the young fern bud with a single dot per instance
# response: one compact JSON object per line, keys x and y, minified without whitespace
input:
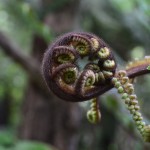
{"x":63,"y":55}
{"x":94,"y":115}
{"x":109,"y":64}
{"x":69,"y":75}
{"x":61,"y":68}
{"x":104,"y":53}
{"x":63,"y":75}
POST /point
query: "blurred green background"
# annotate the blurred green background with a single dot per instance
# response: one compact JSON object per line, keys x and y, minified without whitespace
{"x":32,"y":118}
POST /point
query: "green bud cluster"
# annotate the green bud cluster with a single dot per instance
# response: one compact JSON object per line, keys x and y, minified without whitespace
{"x":125,"y":88}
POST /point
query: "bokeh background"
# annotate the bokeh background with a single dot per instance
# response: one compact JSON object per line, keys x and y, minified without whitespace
{"x":31,"y":118}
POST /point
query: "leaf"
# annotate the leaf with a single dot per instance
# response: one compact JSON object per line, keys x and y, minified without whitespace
{"x":148,"y":68}
{"x":27,"y":145}
{"x":6,"y":139}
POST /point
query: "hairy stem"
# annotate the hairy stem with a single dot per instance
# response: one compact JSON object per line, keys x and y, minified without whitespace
{"x":132,"y":72}
{"x":138,"y":70}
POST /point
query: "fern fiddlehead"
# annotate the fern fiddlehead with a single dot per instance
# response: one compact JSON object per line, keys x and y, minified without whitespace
{"x":94,"y":115}
{"x":70,"y":82}
{"x":62,"y":70}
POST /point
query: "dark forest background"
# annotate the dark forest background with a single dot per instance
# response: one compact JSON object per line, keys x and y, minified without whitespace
{"x":31,"y":117}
